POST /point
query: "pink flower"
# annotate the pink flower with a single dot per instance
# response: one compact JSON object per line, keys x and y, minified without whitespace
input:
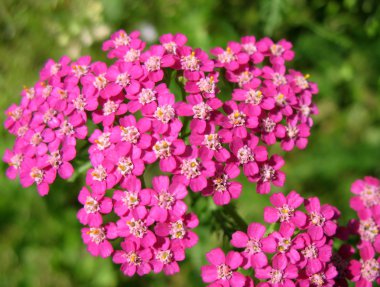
{"x":136,"y":226}
{"x":366,"y":271}
{"x":284,"y":209}
{"x":192,"y":62}
{"x":296,"y":135}
{"x":194,"y":172}
{"x":221,"y":188}
{"x":249,"y":154}
{"x":96,"y":239}
{"x":279,"y":52}
{"x":167,"y":199}
{"x":131,"y":197}
{"x":367,"y":193}
{"x":255,"y":245}
{"x":38,"y":171}
{"x":320,"y":219}
{"x":222,"y":269}
{"x":94,"y":207}
{"x":206,"y":85}
{"x":314,"y":254}
{"x":119,"y":39}
{"x":232,"y":57}
{"x":279,"y":274}
{"x":166,"y":256}
{"x":179,"y":229}
{"x":254,"y":49}
{"x":172,"y":43}
{"x":269,"y":172}
{"x":133,"y":258}
{"x":286,"y":245}
{"x":154,"y":60}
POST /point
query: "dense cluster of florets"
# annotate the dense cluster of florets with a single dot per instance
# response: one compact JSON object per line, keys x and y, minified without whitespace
{"x":304,"y":247}
{"x":161,"y":106}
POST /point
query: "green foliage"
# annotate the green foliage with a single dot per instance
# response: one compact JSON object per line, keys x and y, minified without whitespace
{"x":337,"y":42}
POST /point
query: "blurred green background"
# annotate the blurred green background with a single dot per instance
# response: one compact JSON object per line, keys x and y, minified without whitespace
{"x":337,"y":42}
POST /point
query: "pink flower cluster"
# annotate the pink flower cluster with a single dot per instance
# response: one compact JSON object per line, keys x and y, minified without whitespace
{"x":47,"y":123}
{"x":366,"y":203}
{"x":309,"y":248}
{"x":152,"y":223}
{"x":299,"y":253}
{"x":171,"y":109}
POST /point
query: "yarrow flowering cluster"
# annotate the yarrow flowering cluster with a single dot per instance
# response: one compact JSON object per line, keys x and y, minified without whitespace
{"x":301,"y":246}
{"x":162,"y":107}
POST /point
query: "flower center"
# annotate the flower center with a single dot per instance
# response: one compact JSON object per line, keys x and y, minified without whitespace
{"x":37,"y":175}
{"x":227,"y":56}
{"x":100,"y":82}
{"x":177,"y":230}
{"x":284,"y":245}
{"x":370,"y":195}
{"x":190,"y":168}
{"x":244,"y":78}
{"x":249,"y":48}
{"x":368,"y":229}
{"x":224,"y":272}
{"x":286,"y":212}
{"x":132,"y":55}
{"x":280,"y":99}
{"x":36,"y":139}
{"x":99,"y":173}
{"x":310,"y":252}
{"x":103,"y":141}
{"x":277,"y":50}
{"x":253,"y":246}
{"x":202,"y":111}
{"x":15,"y":114}
{"x":165,"y":200}
{"x":207,"y":85}
{"x":305,"y":110}
{"x":55,"y":159}
{"x":220,"y":183}
{"x":317,"y":219}
{"x":123,"y":79}
{"x":162,"y":149}
{"x":125,"y":165}
{"x":212,"y":141}
{"x":91,"y":205}
{"x":130,"y":134}
{"x":110,"y":107}
{"x":278,"y":79}
{"x":165,"y":256}
{"x":190,"y":62}
{"x":245,"y":155}
{"x":237,"y":118}
{"x":79,"y":70}
{"x":16,"y":161}
{"x":122,"y":40}
{"x":317,"y":279}
{"x":97,"y":235}
{"x":147,"y":96}
{"x":170,"y":47}
{"x":302,"y":82}
{"x":153,"y":63}
{"x":292,"y":131}
{"x":253,"y":97}
{"x":268,"y":125}
{"x":137,"y":228}
{"x":47,"y":91}
{"x":66,"y":128}
{"x":267,"y":173}
{"x":164,"y":113}
{"x":79,"y":103}
{"x":133,"y":258}
{"x":54,"y":69}
{"x":370,"y":269}
{"x":277,"y":276}
{"x":130,"y":199}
